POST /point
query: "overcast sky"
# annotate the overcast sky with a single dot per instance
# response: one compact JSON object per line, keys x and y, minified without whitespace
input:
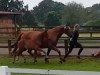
{"x":85,"y":3}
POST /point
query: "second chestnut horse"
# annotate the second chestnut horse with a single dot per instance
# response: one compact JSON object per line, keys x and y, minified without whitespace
{"x":49,"y":41}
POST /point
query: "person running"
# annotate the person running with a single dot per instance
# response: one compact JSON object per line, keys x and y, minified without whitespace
{"x":73,"y":41}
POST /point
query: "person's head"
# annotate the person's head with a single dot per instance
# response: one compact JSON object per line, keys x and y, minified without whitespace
{"x":76,"y":27}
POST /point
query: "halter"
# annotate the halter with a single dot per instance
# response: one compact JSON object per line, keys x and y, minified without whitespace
{"x":66,"y":27}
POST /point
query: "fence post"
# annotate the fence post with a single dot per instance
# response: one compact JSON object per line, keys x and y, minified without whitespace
{"x":91,"y":34}
{"x":4,"y":70}
{"x":66,"y":46}
{"x":9,"y":46}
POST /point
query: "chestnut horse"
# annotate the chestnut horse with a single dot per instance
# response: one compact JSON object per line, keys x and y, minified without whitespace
{"x":29,"y":40}
{"x":52,"y":37}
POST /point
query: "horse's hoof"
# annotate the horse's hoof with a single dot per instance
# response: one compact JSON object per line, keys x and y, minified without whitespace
{"x":24,"y":61}
{"x":92,"y":55}
{"x":78,"y":57}
{"x":63,"y":60}
{"x":60,"y":62}
{"x":35,"y":61}
{"x":11,"y":54}
{"x":46,"y":60}
{"x":13,"y":62}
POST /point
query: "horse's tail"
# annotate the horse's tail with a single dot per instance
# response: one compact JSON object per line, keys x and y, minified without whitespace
{"x":15,"y":44}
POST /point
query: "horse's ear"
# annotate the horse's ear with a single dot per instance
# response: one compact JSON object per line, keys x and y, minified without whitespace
{"x":64,"y":27}
{"x":67,"y":27}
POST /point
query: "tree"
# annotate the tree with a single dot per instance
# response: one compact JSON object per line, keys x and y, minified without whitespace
{"x":29,"y":19}
{"x":46,"y":6}
{"x":52,"y":19}
{"x":96,"y":7}
{"x":4,"y":5}
{"x":15,"y":5}
{"x":93,"y":17}
{"x":74,"y":13}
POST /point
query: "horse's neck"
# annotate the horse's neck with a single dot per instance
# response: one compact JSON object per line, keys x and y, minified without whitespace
{"x":58,"y":32}
{"x":59,"y":35}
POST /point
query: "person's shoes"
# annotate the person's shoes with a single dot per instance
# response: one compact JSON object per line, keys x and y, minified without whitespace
{"x":78,"y":57}
{"x":63,"y":60}
{"x":92,"y":55}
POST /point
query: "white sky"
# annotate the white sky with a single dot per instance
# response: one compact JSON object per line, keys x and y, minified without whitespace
{"x":85,"y":3}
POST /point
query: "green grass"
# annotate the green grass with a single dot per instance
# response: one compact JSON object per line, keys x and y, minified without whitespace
{"x":72,"y":63}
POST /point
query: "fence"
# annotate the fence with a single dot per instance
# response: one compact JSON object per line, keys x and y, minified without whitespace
{"x":13,"y":30}
{"x":66,"y":41}
{"x":4,"y":70}
{"x":85,"y":29}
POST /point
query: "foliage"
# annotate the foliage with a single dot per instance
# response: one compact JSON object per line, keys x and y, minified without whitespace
{"x":29,"y":19}
{"x":11,"y":5}
{"x":46,"y":6}
{"x":3,"y":5}
{"x":96,"y":7}
{"x":15,"y":5}
{"x":74,"y":13}
{"x":92,"y":23}
{"x":52,"y":19}
{"x":70,"y":13}
{"x":93,"y":15}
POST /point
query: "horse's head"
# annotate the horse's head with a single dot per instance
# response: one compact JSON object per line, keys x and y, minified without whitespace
{"x":62,"y":29}
{"x":67,"y":30}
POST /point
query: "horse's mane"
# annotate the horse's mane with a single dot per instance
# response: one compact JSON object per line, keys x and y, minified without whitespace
{"x":58,"y":27}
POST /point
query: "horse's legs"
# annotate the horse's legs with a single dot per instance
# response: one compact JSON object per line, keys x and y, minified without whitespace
{"x":14,"y":58}
{"x":35,"y":53}
{"x":15,"y":55}
{"x":14,"y":50}
{"x":46,"y":56}
{"x":54,"y":48}
{"x":23,"y":58}
{"x":48,"y":52}
{"x":18,"y":53}
{"x":69,"y":51}
{"x":57,"y":50}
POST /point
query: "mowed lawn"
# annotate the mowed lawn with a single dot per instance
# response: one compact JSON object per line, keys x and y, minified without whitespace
{"x":72,"y":63}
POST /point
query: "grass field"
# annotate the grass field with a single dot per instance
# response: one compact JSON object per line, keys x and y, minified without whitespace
{"x":72,"y":63}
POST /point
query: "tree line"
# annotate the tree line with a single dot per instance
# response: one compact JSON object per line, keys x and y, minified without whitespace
{"x":52,"y":13}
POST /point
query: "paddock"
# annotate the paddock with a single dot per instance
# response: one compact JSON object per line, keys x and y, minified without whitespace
{"x":83,"y":65}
